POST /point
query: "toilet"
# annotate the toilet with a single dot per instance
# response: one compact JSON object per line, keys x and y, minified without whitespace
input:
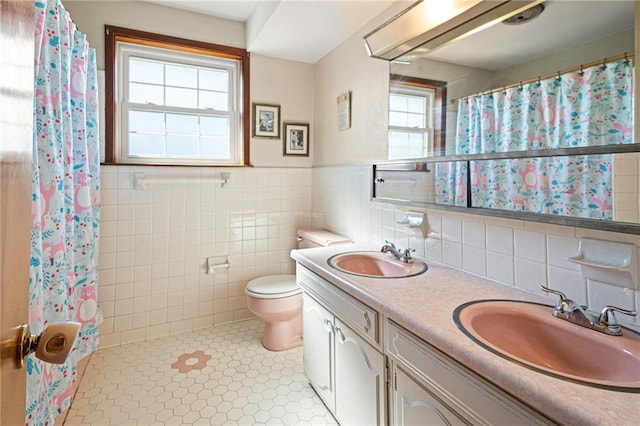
{"x":277,"y":299}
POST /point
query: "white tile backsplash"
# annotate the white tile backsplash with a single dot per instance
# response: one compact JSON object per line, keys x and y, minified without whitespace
{"x":452,"y":254}
{"x":452,"y":229}
{"x":500,"y":239}
{"x":512,"y":252}
{"x":500,"y":268}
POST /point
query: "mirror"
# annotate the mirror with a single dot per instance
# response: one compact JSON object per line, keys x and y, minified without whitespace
{"x":566,"y":41}
{"x":567,"y":34}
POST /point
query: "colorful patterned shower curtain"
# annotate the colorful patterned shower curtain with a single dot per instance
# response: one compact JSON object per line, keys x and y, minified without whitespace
{"x":581,"y":108}
{"x":590,"y":107}
{"x":65,"y":208}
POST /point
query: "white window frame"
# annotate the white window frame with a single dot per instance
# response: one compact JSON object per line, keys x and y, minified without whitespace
{"x":428,"y":131}
{"x":125,"y":51}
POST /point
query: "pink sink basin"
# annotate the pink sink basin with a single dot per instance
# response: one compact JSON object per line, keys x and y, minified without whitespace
{"x":529,"y":334}
{"x":375,"y":264}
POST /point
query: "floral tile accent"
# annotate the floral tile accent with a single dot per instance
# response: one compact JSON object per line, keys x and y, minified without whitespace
{"x":185,"y":363}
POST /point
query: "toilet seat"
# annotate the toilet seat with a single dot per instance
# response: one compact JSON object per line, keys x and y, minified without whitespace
{"x":273,"y":287}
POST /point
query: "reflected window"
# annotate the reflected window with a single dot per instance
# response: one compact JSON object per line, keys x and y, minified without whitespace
{"x":416,"y":117}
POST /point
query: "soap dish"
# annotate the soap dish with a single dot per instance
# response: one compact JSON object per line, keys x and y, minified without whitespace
{"x":607,"y":262}
{"x":412,"y":219}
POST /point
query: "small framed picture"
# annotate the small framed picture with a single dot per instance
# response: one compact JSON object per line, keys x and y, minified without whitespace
{"x":296,"y":139}
{"x":266,"y":121}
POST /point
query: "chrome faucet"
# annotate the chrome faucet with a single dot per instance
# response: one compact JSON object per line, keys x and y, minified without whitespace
{"x":403,"y":256}
{"x":571,"y":311}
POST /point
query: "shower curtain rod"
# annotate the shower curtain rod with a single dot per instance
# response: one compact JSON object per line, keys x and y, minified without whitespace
{"x":604,"y":61}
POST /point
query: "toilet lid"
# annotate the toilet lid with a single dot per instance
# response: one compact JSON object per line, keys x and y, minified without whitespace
{"x":273,"y":286}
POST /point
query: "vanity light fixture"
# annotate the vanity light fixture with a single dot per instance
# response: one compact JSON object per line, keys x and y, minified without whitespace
{"x":429,"y":24}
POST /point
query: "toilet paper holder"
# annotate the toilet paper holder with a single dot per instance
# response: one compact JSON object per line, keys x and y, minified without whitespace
{"x":217,"y":263}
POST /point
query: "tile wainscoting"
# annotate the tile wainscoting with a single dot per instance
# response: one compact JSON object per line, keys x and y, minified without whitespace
{"x":154,"y":244}
{"x":512,"y":252}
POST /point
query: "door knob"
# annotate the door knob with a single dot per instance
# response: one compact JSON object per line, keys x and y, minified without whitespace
{"x":52,"y":345}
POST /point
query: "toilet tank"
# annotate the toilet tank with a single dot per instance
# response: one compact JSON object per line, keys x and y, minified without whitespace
{"x":308,"y":238}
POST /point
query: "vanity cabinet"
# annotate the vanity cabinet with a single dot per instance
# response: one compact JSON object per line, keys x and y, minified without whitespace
{"x":414,"y":404}
{"x":342,"y":359}
{"x":427,"y":384}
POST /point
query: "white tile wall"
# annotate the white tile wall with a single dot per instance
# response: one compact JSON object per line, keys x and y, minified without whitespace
{"x":154,"y":244}
{"x":511,"y":252}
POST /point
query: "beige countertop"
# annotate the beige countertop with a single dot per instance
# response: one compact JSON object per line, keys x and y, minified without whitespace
{"x":424,"y":305}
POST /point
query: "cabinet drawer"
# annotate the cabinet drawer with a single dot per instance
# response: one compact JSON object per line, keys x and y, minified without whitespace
{"x":477,"y":400}
{"x":358,"y":316}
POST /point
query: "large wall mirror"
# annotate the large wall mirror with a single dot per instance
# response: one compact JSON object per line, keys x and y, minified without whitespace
{"x":540,"y":108}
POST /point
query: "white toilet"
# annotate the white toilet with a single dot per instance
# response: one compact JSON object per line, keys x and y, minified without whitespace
{"x":277,"y":299}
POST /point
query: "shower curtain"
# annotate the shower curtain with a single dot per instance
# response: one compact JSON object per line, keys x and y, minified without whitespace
{"x":65,"y":204}
{"x":588,"y":107}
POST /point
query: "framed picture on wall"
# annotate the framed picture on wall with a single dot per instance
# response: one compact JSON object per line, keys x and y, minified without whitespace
{"x":296,"y":139}
{"x":266,"y":121}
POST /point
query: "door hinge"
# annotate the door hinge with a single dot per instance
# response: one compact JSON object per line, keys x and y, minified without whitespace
{"x":395,"y":381}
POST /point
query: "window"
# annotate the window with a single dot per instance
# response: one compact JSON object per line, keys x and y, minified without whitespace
{"x":175,"y":101}
{"x":416,"y":117}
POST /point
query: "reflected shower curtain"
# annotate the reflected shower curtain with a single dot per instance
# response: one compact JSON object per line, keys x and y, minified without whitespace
{"x":590,"y":107}
{"x":65,"y":217}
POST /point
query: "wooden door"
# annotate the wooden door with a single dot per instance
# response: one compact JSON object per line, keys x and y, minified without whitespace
{"x":16,"y":124}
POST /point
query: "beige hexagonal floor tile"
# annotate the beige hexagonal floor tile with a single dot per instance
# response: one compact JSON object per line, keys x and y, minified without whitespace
{"x":240,"y":384}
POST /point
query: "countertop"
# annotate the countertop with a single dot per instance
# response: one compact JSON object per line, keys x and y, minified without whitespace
{"x":424,"y":305}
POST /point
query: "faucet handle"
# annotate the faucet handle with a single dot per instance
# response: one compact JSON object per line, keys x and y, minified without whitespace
{"x":406,"y":255}
{"x":390,"y":244}
{"x":563,"y":305}
{"x":558,"y":293}
{"x":608,"y":319}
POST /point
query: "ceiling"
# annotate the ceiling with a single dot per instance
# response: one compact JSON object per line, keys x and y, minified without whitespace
{"x":299,"y":30}
{"x":563,"y":24}
{"x":306,"y":30}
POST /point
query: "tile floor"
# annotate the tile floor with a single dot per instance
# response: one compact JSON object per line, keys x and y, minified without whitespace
{"x":172,"y":381}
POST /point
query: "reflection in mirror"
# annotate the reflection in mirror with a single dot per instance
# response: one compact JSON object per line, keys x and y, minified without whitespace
{"x":441,"y":183}
{"x":603,"y":187}
{"x":515,"y":62}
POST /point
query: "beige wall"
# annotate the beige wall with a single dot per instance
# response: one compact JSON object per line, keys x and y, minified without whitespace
{"x":91,"y":16}
{"x":290,"y":85}
{"x":349,"y":68}
{"x":273,"y":81}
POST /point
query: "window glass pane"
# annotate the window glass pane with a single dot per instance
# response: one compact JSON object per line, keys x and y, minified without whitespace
{"x":146,"y":94}
{"x":415,"y":120}
{"x":187,"y":98}
{"x":214,"y":148}
{"x":146,"y":122}
{"x":182,"y":146}
{"x":146,"y":145}
{"x":214,"y":126}
{"x":182,"y":124}
{"x":398,"y":119}
{"x":416,"y":104}
{"x":397,"y":102}
{"x":217,"y":80}
{"x":416,"y":142}
{"x":144,"y":71}
{"x":398,"y":139}
{"x":181,"y":76}
{"x":214,"y":100}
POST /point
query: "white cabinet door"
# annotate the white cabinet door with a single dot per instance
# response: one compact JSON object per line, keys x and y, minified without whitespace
{"x":360,"y":380}
{"x":414,"y":405}
{"x":318,"y":349}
